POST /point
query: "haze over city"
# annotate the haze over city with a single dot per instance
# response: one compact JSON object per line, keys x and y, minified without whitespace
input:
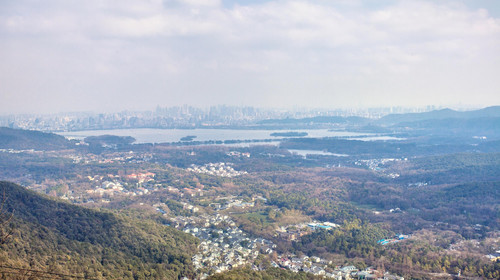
{"x":60,"y":56}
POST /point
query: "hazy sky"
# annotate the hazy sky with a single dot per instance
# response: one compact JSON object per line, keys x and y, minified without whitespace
{"x":100,"y":55}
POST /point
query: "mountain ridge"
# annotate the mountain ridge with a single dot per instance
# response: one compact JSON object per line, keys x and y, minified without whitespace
{"x":102,"y":245}
{"x":487,"y":112}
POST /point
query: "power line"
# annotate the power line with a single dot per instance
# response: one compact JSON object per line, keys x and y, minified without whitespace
{"x":31,"y":275}
{"x":53,"y":274}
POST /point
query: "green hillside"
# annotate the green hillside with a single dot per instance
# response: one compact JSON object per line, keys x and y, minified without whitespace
{"x":58,"y":237}
{"x":20,"y":139}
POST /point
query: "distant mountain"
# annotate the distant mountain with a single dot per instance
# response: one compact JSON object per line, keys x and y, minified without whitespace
{"x":493,"y":112}
{"x":58,"y":237}
{"x":315,"y":120}
{"x":20,"y":139}
{"x":488,"y":112}
{"x":480,"y":126}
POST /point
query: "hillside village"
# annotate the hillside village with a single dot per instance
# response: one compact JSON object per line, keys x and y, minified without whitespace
{"x":222,"y":169}
{"x":224,"y":246}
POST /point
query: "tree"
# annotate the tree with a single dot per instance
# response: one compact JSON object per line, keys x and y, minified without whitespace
{"x":6,"y":230}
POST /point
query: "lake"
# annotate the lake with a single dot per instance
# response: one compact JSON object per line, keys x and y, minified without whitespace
{"x":157,"y":135}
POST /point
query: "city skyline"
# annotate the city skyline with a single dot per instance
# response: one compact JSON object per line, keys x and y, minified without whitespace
{"x":101,"y":57}
{"x":185,"y":116}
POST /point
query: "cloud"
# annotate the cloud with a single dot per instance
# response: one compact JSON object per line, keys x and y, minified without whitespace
{"x":211,"y":52}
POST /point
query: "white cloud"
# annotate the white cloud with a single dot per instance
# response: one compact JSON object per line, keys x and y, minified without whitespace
{"x":330,"y":50}
{"x":202,"y":3}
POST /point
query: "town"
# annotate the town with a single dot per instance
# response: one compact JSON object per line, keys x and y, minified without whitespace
{"x":224,"y":246}
{"x":218,"y":169}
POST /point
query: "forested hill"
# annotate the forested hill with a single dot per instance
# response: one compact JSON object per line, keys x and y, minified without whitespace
{"x":488,"y":112}
{"x":315,"y":120}
{"x":20,"y":139}
{"x":54,"y":236}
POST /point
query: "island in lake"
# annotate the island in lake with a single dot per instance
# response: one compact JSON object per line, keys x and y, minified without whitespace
{"x":289,"y":134}
{"x":188,"y":138}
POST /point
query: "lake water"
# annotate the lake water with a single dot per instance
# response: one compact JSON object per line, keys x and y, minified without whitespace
{"x":154,"y":135}
{"x":378,"y":138}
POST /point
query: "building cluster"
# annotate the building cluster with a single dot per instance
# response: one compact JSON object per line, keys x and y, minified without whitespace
{"x":86,"y":158}
{"x":377,"y":165}
{"x":396,"y":238}
{"x":142,"y":177}
{"x":112,"y":185}
{"x":494,"y":257}
{"x":139,"y":177}
{"x":160,"y":207}
{"x":14,"y":151}
{"x":314,"y":265}
{"x":220,"y":169}
{"x":223,"y":245}
{"x":238,"y":154}
{"x":119,"y":157}
{"x":116,"y":188}
{"x":294,"y":232}
{"x":204,"y":220}
{"x":188,"y":192}
{"x":321,"y":267}
{"x":234,"y":202}
{"x":238,"y":203}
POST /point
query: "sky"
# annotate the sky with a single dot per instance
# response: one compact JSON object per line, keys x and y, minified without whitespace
{"x":108,"y":56}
